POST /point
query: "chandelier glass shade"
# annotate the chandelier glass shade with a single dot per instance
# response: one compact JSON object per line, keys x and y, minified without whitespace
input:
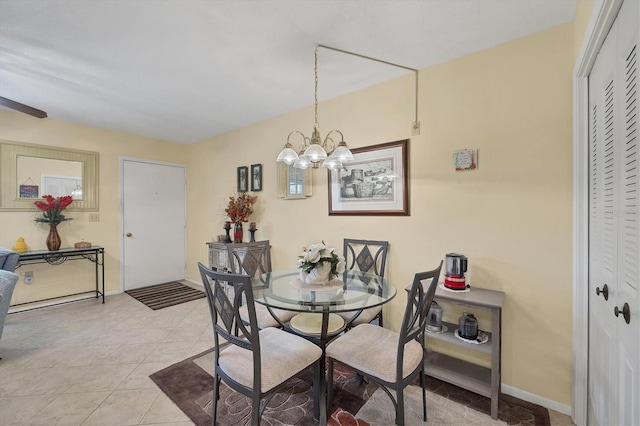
{"x":76,"y":194}
{"x":314,"y":151}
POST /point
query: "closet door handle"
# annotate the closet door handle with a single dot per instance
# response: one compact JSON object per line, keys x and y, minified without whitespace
{"x":626,"y":312}
{"x":604,"y":292}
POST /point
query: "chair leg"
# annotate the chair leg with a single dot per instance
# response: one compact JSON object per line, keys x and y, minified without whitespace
{"x":255,"y":410}
{"x":380,"y":319}
{"x":424,"y":395}
{"x":214,"y":399}
{"x":400,"y":406}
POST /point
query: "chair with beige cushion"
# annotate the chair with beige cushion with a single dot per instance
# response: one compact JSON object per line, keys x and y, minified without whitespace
{"x":262,"y":360}
{"x":254,"y":259}
{"x":399,"y":357}
{"x":366,"y":256}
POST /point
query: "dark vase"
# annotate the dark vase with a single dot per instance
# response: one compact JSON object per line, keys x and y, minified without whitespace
{"x":237,"y":233}
{"x":53,"y":239}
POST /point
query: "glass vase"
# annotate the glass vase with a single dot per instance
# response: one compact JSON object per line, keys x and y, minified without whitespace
{"x":237,"y":233}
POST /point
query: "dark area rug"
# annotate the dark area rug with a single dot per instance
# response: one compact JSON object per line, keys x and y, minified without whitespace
{"x":190,"y":387}
{"x":164,"y":295}
{"x":511,"y":410}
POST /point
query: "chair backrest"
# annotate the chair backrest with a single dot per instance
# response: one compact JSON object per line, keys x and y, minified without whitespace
{"x":8,"y":281}
{"x":421,"y":294}
{"x":366,"y":255}
{"x":8,"y":259}
{"x":253,"y":259}
{"x":225,"y":315}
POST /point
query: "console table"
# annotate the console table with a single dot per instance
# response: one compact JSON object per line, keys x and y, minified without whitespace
{"x":218,"y":257}
{"x":94,"y":254}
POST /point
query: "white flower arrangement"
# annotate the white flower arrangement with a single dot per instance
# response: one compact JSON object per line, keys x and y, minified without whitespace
{"x":321,"y":260}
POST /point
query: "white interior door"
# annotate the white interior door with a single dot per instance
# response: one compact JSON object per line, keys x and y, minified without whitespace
{"x":602,"y":236}
{"x":153,"y":223}
{"x":614,"y":226}
{"x":628,"y":288}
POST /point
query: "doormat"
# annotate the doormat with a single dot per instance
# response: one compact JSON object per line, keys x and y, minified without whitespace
{"x":165,"y":295}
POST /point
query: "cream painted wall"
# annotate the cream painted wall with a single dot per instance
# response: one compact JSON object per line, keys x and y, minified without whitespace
{"x":511,"y":217}
{"x":584,"y":9}
{"x":54,"y":281}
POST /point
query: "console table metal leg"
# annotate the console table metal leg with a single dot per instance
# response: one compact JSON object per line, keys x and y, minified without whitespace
{"x":102,"y":266}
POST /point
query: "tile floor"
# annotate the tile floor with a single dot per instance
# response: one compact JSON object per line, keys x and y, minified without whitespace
{"x":86,"y":363}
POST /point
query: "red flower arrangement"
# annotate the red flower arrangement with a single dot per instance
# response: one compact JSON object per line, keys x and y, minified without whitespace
{"x":240,"y":207}
{"x":52,"y":208}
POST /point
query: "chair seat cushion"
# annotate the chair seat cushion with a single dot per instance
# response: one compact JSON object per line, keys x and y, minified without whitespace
{"x":365,"y":317}
{"x":264,"y":318}
{"x":282,"y":354}
{"x":374,"y":350}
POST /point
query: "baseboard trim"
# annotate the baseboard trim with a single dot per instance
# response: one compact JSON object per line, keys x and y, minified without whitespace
{"x":195,"y":282}
{"x":536,"y":399}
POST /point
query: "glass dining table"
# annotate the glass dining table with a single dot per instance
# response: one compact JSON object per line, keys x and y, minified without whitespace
{"x":352,"y":291}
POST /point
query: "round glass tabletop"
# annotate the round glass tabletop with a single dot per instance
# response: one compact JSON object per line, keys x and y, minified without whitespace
{"x":351,"y":291}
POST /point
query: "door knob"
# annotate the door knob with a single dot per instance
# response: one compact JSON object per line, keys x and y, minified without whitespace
{"x":626,"y":312}
{"x":604,"y":292}
{"x":129,"y":234}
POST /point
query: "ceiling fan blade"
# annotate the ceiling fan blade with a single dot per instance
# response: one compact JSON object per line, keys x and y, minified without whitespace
{"x":22,"y":108}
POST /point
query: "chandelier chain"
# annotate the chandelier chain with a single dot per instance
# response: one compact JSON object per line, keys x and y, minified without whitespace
{"x":316,"y":87}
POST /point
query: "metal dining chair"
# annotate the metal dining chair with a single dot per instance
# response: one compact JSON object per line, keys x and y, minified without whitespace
{"x":261,"y":361}
{"x":254,"y":259}
{"x":366,"y":256}
{"x":399,"y":357}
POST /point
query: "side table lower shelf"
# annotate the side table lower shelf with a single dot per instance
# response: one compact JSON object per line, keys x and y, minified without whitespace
{"x":460,"y":373}
{"x":484,"y":381}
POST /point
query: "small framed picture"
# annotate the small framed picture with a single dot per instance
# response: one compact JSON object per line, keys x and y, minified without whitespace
{"x":256,"y":177}
{"x":28,"y":191}
{"x":243,"y":178}
{"x":465,"y":159}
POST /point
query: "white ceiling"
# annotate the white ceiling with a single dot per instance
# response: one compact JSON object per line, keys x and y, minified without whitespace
{"x":188,"y":70}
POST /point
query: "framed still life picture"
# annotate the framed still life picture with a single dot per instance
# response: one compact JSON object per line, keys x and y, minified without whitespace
{"x":374,"y":183}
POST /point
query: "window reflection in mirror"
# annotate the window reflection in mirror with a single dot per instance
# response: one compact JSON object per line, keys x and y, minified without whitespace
{"x":37,"y":177}
{"x":296,"y":181}
{"x":293,"y":183}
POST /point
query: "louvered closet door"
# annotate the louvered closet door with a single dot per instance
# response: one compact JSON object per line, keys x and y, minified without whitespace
{"x":602,"y":238}
{"x":614,"y":232}
{"x":628,"y":214}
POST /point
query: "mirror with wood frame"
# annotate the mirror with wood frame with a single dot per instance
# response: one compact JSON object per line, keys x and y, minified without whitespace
{"x":29,"y":171}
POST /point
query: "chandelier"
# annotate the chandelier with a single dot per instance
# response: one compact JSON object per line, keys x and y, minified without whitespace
{"x":315,"y":151}
{"x":76,"y":194}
